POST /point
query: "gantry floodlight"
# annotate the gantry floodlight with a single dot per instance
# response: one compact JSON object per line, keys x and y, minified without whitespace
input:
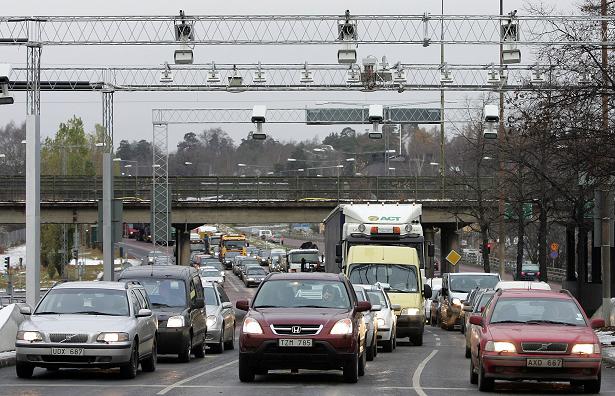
{"x":347,"y":34}
{"x":353,"y":76}
{"x":259,"y":76}
{"x":375,"y":116}
{"x":306,"y":75}
{"x":184,"y":34}
{"x":510,"y":37}
{"x":259,"y":113}
{"x":213,"y":76}
{"x":166,"y":76}
{"x":445,"y":74}
{"x":399,"y":76}
{"x":537,"y":76}
{"x":236,"y":80}
{"x":493,"y":77}
{"x":5,"y":95}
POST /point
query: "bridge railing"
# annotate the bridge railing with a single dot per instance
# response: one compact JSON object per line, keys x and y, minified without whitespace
{"x":221,"y":188}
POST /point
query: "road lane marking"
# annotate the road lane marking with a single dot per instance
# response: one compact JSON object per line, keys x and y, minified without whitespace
{"x":233,"y":284}
{"x":179,"y":383}
{"x":416,"y":377}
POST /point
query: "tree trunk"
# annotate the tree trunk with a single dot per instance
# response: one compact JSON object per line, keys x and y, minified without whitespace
{"x":581,"y":247}
{"x":485,"y":238}
{"x":542,"y":241}
{"x":521,"y":239}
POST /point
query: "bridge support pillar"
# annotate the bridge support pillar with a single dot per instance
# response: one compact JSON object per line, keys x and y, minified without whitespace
{"x":182,"y":242}
{"x":449,"y":240}
{"x":429,"y":236}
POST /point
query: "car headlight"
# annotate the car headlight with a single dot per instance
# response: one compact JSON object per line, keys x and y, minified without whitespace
{"x":31,"y":336}
{"x":381,"y":322}
{"x":176,"y":321}
{"x":586,"y":349}
{"x":112,"y":337}
{"x":500,"y":346}
{"x":342,"y":327}
{"x":457,"y":302}
{"x":250,"y":279}
{"x":211,"y":320}
{"x":409,"y":311}
{"x":251,"y":326}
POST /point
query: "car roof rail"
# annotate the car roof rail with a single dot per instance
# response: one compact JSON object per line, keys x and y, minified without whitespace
{"x":131,"y":283}
{"x":566,"y":291}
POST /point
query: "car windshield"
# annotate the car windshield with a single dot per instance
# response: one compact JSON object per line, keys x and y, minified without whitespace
{"x":256,"y":271}
{"x":295,"y":293}
{"x":85,"y":301}
{"x":401,"y":278}
{"x":234,"y":244}
{"x":210,"y":296}
{"x":484,"y":300}
{"x":309,"y":257}
{"x":465,"y":283}
{"x":376,"y":297}
{"x":209,"y":273}
{"x":165,"y":292}
{"x":537,"y":310}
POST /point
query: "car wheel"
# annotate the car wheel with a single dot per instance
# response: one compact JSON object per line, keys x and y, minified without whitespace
{"x":369,"y":352}
{"x":468,"y":352}
{"x":129,"y":370}
{"x":473,"y":374}
{"x":199,"y":350}
{"x":230,"y":345}
{"x":395,"y":339}
{"x":351,"y":370}
{"x":219,"y":347}
{"x":24,"y":370}
{"x":417,"y":340}
{"x":246,"y":374}
{"x":484,"y":384}
{"x":592,"y":386}
{"x":375,"y":344}
{"x":184,"y":354}
{"x":388,"y":345}
{"x":149,"y":364}
{"x":362,"y":364}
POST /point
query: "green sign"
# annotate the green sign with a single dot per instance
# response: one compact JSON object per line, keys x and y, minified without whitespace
{"x":510,"y":212}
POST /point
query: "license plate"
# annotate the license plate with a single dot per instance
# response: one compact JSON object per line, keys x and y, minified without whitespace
{"x":544,"y":363}
{"x":67,"y":351}
{"x":295,"y":342}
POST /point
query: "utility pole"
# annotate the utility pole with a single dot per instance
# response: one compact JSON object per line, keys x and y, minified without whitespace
{"x":442,"y":140}
{"x":501,"y":225}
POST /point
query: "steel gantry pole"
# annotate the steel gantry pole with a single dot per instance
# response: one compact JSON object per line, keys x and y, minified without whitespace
{"x":501,"y":206}
{"x":108,"y":195}
{"x":160,"y":206}
{"x":33,"y":169}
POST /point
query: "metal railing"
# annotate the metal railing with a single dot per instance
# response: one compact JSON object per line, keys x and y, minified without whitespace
{"x":237,"y":189}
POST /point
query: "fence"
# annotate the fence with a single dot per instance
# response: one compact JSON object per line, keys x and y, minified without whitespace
{"x":12,"y":238}
{"x":554,"y":274}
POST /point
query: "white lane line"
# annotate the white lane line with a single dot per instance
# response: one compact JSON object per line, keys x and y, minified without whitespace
{"x":179,"y":383}
{"x":232,"y":282}
{"x":416,"y":378}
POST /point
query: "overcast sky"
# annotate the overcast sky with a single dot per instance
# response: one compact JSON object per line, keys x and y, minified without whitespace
{"x":133,"y":110}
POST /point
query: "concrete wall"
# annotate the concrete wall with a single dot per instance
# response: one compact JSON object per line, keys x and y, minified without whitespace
{"x":10,"y":318}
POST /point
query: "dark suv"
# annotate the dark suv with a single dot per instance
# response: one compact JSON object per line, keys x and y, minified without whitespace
{"x":176,"y":296}
{"x":303,"y":321}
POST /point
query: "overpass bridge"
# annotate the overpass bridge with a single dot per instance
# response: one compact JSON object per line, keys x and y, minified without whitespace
{"x":235,"y":200}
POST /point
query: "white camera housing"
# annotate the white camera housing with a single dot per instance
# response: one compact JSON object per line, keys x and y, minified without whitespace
{"x":5,"y":96}
{"x":492,"y":113}
{"x":259,"y":113}
{"x":376,"y":113}
{"x":490,"y":132}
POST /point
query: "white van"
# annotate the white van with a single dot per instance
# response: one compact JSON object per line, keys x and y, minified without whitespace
{"x":265,"y":235}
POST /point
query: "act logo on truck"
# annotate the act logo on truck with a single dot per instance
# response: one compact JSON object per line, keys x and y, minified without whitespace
{"x":383,"y":218}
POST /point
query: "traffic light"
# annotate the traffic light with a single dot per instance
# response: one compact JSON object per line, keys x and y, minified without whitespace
{"x":7,"y":264}
{"x":488,"y":247}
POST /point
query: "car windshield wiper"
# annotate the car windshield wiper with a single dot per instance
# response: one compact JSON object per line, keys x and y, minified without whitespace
{"x":555,"y":322}
{"x":94,"y":313}
{"x":49,"y":313}
{"x":312,"y":306}
{"x":270,"y":306}
{"x":509,"y":321}
{"x":158,"y":304}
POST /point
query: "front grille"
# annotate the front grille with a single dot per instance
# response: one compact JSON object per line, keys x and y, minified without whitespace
{"x":544,"y":347}
{"x":68,"y":338}
{"x":296,"y":330}
{"x":68,"y":359}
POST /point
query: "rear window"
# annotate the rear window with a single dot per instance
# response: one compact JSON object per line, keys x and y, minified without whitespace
{"x":465,"y":283}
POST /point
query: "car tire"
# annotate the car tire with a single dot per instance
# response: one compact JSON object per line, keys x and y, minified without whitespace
{"x":129,"y":370}
{"x":184,"y":355}
{"x":395,"y":339}
{"x":375,"y":345}
{"x":149,"y":364}
{"x":592,"y":386}
{"x":417,"y":340}
{"x":468,"y":352}
{"x":219,"y":347}
{"x":351,"y":370}
{"x":230,"y":345}
{"x":484,"y":384}
{"x":199,"y":350}
{"x":362,"y":364}
{"x":24,"y":370}
{"x":388,"y":345}
{"x":369,"y":352}
{"x":246,"y":373}
{"x":473,"y":374}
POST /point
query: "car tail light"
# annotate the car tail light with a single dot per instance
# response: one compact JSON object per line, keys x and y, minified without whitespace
{"x":522,"y":273}
{"x":538,"y":273}
{"x":374,"y":230}
{"x":396,"y":230}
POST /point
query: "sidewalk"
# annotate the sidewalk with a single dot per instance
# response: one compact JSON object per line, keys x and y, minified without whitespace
{"x":7,"y":358}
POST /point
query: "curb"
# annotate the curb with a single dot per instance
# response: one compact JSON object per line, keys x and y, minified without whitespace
{"x":608,"y":360}
{"x":7,"y":359}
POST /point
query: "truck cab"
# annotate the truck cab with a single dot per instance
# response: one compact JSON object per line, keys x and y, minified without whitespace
{"x":310,"y":258}
{"x":397,"y":270}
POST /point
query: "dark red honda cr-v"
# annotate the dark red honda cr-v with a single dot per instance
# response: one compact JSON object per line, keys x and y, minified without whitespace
{"x":303,"y":321}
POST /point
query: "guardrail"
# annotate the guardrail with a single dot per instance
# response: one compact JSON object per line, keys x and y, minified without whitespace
{"x":270,"y":188}
{"x":553,"y":273}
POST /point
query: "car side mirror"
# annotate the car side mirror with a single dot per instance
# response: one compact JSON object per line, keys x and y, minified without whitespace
{"x":226,"y":305}
{"x":25,"y":310}
{"x":376,"y":307}
{"x":144,"y":313}
{"x":364,"y":306}
{"x":476,"y":320}
{"x":427,"y":292}
{"x":199,"y":303}
{"x":242,"y":305}
{"x":396,"y":307}
{"x":597,"y":323}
